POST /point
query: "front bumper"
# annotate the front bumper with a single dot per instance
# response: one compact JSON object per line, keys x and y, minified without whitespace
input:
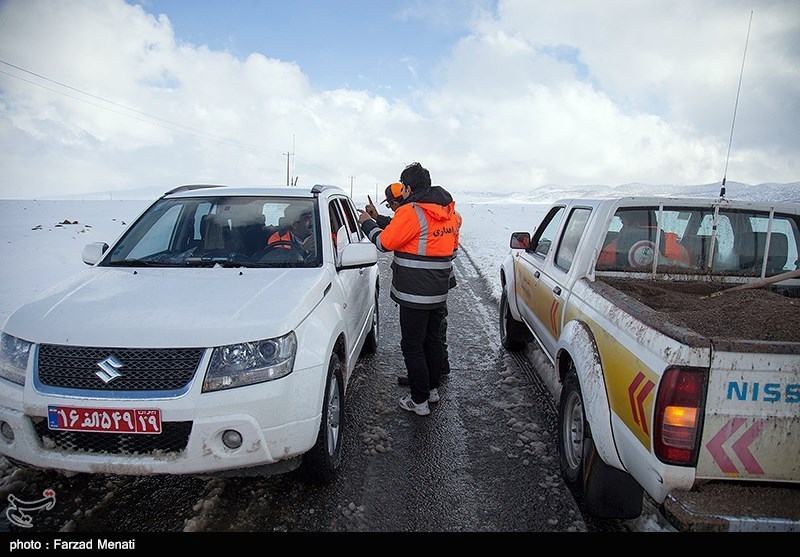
{"x":278,"y":421}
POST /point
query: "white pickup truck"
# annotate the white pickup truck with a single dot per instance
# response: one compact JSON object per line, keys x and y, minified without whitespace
{"x":673,"y":329}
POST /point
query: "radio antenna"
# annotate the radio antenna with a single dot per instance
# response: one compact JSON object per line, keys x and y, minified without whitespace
{"x":735,"y":106}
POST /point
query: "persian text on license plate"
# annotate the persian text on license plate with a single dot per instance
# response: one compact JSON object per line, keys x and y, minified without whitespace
{"x":105,"y":420}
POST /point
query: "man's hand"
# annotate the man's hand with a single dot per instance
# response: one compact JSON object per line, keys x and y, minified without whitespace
{"x":371,"y":209}
{"x":363,"y":217}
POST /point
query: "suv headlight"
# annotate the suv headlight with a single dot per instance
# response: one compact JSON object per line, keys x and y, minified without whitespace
{"x":14,"y":358}
{"x":236,"y":365}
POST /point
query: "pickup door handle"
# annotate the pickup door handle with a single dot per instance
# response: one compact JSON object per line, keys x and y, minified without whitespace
{"x":557,"y":290}
{"x":536,"y":274}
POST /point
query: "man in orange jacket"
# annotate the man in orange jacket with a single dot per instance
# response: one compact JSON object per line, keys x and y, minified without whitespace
{"x":423,"y":236}
{"x":394,"y":198}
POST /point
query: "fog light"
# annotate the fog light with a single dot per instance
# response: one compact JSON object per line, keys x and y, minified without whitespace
{"x":6,"y":431}
{"x":232,"y":439}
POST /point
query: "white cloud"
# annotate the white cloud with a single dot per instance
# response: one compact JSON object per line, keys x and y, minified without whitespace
{"x":535,"y":93}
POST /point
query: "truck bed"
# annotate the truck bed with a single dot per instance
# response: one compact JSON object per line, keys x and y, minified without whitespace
{"x":732,"y":317}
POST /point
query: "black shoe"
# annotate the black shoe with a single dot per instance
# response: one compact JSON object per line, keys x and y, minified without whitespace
{"x":402,"y":379}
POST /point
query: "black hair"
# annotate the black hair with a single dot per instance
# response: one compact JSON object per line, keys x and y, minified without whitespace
{"x":416,"y":177}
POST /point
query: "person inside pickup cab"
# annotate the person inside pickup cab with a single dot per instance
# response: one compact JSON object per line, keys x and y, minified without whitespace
{"x":634,"y":246}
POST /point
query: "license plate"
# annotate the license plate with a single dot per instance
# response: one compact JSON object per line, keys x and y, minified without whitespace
{"x":104,"y":420}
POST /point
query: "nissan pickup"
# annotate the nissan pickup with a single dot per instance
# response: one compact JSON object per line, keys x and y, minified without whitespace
{"x":671,"y":327}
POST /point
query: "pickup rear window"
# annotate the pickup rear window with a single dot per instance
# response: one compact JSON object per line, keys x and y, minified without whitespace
{"x":696,"y":240}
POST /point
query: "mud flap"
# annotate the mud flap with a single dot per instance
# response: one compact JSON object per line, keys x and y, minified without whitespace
{"x":607,"y":491}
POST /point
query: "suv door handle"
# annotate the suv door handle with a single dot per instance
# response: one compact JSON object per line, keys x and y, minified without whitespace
{"x":536,"y":274}
{"x":557,"y":290}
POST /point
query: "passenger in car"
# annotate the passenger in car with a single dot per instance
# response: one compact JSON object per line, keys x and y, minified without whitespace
{"x":294,"y":227}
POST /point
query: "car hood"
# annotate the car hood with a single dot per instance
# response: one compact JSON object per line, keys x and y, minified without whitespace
{"x":163,"y":308}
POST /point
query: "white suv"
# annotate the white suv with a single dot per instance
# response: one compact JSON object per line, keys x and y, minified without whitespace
{"x":216,"y":336}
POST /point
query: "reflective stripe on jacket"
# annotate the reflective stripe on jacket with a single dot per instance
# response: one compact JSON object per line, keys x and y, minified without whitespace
{"x":422,"y":236}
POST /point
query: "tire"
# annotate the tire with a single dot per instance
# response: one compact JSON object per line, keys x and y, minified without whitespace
{"x":573,"y":432}
{"x":514,"y":335}
{"x":371,"y":344}
{"x":602,"y":490}
{"x":322,"y":462}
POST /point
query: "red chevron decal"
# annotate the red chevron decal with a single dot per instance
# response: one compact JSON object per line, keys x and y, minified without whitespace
{"x":637,"y":401}
{"x":740,"y":447}
{"x":553,"y":313}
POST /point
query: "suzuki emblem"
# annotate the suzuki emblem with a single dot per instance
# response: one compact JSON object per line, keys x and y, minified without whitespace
{"x":108,"y":369}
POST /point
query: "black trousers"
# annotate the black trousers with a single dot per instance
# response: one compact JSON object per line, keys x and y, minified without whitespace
{"x":421,"y":344}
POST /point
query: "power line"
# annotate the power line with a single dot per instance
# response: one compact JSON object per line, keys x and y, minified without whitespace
{"x":173,"y":126}
{"x":148,"y":118}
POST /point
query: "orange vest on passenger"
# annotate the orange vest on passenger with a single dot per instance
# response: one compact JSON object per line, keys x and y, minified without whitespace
{"x":287,"y":236}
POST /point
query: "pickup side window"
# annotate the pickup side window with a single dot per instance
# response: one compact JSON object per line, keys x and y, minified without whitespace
{"x":544,"y":236}
{"x":573,"y":232}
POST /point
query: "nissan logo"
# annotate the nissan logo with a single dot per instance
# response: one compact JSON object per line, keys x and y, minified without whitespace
{"x":108,"y":369}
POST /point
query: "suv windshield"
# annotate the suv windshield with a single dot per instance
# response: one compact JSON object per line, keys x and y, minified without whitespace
{"x":225,"y":231}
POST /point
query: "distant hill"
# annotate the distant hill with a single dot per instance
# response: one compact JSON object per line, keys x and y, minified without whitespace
{"x":779,"y":193}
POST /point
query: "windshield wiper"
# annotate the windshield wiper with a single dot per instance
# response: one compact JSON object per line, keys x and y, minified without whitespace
{"x":221,"y":261}
{"x":135,"y":263}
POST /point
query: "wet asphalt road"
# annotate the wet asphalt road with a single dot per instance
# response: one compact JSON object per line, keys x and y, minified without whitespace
{"x":484,"y":460}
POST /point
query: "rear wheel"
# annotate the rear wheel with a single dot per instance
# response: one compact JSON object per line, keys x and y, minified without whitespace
{"x":323,"y":461}
{"x":604,"y":491}
{"x":514,"y":336}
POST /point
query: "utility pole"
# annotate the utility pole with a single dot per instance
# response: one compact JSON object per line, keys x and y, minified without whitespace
{"x":351,"y":185}
{"x":287,"y":168}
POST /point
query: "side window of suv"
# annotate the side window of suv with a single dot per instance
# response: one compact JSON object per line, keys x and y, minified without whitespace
{"x":337,"y":221}
{"x":352,"y":221}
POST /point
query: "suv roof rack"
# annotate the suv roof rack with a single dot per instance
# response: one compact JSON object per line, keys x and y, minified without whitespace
{"x":192,"y":187}
{"x":318,"y":188}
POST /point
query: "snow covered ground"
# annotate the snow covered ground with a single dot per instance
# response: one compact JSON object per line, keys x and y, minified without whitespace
{"x":41,"y":242}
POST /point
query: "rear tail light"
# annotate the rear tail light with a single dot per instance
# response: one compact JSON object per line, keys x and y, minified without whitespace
{"x":679,"y":415}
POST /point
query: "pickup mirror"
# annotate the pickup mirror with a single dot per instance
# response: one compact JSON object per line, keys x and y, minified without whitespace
{"x":93,"y":252}
{"x":363,"y":254}
{"x":520,"y":240}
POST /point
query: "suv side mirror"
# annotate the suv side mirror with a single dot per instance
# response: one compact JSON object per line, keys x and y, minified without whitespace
{"x":362,"y":254}
{"x":93,"y":252}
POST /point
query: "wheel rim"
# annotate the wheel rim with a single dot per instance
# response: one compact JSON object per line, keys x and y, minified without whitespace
{"x":375,"y":320}
{"x":503,"y":317}
{"x":334,"y":415}
{"x":573,"y":431}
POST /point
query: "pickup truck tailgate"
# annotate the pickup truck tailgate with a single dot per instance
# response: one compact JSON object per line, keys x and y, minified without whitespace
{"x":752,"y":422}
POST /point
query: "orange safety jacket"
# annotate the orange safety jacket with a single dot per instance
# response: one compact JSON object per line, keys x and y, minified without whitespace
{"x":423,"y":236}
{"x":459,"y":220}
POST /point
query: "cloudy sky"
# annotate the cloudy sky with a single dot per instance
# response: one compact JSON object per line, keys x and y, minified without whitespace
{"x":102,"y":96}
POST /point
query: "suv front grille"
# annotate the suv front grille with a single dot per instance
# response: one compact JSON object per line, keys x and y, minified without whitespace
{"x":142,"y":369}
{"x":173,"y":438}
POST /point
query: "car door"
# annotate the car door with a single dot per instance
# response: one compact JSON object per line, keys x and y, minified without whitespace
{"x":552,"y":290}
{"x":530,"y":264}
{"x":354,"y":282}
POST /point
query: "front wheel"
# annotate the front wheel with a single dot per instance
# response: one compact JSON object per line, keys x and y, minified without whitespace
{"x":371,"y":344}
{"x":323,"y":461}
{"x":514,"y":336}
